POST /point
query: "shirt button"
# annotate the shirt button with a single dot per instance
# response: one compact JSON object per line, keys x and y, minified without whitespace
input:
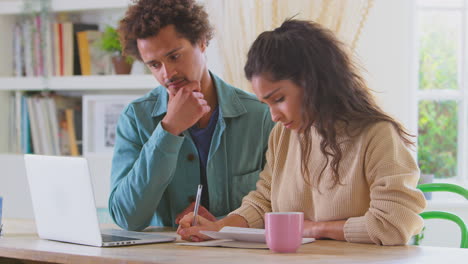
{"x":190,"y":157}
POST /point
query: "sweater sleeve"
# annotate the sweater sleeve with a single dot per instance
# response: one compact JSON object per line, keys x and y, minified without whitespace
{"x":395,"y":203}
{"x":258,"y":202}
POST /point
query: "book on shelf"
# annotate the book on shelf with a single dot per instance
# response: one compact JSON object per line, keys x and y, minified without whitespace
{"x":45,"y":125}
{"x":31,"y":46}
{"x":50,"y":124}
{"x":70,"y":120}
{"x":37,"y":36}
{"x":93,"y":61}
{"x":58,"y":49}
{"x":49,"y":47}
{"x":51,"y":110}
{"x":45,"y":48}
{"x":26,"y":140}
{"x":69,"y":113}
{"x":28,"y":47}
{"x":14,"y":125}
{"x":18,"y":50}
{"x":33,"y":128}
{"x":67,"y":49}
{"x":67,"y":55}
{"x":77,"y":28}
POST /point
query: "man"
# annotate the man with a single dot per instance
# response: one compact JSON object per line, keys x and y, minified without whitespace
{"x":193,"y":129}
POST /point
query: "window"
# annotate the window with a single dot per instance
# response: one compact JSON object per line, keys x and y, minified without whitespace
{"x":442,"y":89}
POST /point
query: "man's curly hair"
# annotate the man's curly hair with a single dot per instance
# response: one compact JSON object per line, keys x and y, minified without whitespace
{"x":146,"y":18}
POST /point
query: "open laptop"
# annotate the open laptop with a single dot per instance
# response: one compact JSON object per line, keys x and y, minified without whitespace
{"x":64,"y":207}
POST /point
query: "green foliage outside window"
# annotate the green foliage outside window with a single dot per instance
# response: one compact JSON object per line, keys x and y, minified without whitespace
{"x":437,"y":138}
{"x":438,"y":51}
{"x":438,"y":69}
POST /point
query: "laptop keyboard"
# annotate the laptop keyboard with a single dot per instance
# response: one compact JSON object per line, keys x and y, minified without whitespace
{"x":112,"y":238}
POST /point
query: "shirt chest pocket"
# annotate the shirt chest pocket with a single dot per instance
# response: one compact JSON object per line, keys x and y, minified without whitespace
{"x":241,"y":186}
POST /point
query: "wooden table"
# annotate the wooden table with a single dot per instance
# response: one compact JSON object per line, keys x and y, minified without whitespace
{"x":21,"y":243}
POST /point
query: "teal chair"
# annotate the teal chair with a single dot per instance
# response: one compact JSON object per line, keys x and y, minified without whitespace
{"x":446,"y":187}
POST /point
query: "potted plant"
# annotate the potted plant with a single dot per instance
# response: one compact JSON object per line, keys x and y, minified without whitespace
{"x":110,"y":43}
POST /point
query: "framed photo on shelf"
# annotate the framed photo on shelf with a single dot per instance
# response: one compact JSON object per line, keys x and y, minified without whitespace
{"x":100,"y":116}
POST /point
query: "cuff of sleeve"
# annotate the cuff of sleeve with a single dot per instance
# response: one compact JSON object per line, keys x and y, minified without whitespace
{"x":165,"y":140}
{"x":253,"y":218}
{"x":355,"y":230}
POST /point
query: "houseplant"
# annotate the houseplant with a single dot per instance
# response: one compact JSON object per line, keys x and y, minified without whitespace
{"x":110,"y":43}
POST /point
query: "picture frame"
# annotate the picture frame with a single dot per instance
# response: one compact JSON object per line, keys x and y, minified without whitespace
{"x":100,"y":116}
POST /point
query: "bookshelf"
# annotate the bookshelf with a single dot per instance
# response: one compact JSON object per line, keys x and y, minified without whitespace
{"x":13,"y":183}
{"x":100,"y":12}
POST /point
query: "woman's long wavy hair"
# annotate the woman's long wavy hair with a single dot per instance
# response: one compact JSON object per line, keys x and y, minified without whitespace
{"x":334,"y":92}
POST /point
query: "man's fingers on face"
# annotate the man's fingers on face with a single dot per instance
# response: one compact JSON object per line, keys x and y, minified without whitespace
{"x":193,"y":86}
{"x":171,"y":94}
{"x":198,"y":95}
{"x":206,"y":109}
{"x":202,"y":102}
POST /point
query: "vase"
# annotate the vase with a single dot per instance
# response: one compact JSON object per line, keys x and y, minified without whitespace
{"x":121,"y":65}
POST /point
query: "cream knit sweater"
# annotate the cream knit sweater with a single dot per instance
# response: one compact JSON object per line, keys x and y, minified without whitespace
{"x":377,"y":197}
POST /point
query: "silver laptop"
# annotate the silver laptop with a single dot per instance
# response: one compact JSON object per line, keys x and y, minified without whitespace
{"x":64,"y":207}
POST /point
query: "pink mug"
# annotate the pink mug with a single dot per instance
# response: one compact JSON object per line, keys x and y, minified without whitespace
{"x":284,"y":231}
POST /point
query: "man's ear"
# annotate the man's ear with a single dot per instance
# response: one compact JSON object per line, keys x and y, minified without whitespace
{"x":203,"y":45}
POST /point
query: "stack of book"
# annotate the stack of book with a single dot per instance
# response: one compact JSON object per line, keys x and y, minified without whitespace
{"x":48,"y":48}
{"x":50,"y":124}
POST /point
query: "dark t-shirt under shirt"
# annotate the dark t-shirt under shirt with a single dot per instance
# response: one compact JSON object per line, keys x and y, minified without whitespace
{"x":202,"y":138}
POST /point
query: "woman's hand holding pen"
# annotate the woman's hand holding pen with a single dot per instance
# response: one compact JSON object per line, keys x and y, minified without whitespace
{"x":202,"y":211}
{"x":192,"y":233}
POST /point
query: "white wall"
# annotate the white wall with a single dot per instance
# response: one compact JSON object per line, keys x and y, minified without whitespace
{"x":15,"y":190}
{"x":14,"y":187}
{"x":385,"y":50}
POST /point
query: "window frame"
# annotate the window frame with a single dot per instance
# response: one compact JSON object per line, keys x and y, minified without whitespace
{"x":460,"y":96}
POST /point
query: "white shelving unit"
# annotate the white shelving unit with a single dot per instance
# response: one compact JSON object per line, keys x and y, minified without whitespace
{"x":13,"y":184}
{"x":101,"y":12}
{"x":13,"y":7}
{"x":102,"y":82}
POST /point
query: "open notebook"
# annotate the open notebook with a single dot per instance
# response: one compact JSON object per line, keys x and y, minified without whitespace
{"x":237,"y":237}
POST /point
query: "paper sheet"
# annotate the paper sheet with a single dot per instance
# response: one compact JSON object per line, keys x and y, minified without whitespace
{"x":237,"y":237}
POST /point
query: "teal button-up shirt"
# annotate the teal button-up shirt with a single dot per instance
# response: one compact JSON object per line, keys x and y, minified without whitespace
{"x":154,"y":173}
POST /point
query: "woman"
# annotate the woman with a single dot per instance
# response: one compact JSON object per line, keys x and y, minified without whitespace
{"x":335,"y":155}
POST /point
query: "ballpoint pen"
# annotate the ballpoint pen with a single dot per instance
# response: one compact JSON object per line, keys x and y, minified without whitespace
{"x":197,"y":204}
